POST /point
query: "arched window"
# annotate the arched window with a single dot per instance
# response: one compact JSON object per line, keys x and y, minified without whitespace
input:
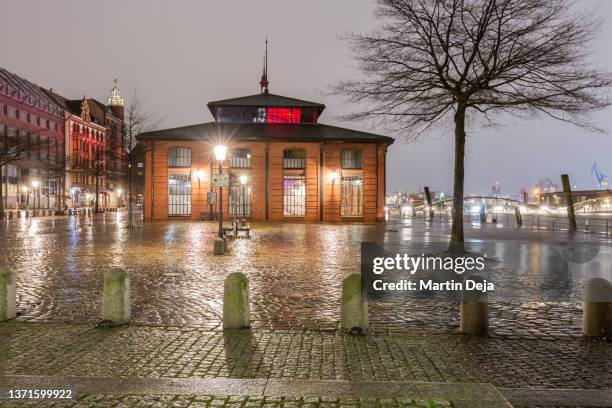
{"x":294,"y":159}
{"x":352,"y":159}
{"x":179,"y":157}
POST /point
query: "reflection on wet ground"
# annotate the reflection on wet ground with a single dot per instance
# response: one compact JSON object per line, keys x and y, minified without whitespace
{"x":295,"y":272}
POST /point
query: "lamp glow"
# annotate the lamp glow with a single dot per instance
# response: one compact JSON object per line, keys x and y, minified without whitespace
{"x":35,"y":184}
{"x":243,"y":179}
{"x":199,"y":175}
{"x":334,"y":176}
{"x":220,"y":152}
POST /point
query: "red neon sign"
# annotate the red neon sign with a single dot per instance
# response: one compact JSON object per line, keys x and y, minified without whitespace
{"x":283,"y":115}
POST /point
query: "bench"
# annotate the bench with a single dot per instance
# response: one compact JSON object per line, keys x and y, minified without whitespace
{"x":236,"y":227}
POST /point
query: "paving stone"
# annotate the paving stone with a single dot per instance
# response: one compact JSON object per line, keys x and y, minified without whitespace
{"x":60,"y":264}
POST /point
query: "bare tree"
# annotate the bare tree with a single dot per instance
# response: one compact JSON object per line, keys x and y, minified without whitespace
{"x":467,"y":59}
{"x":138,"y":119}
{"x":17,"y":145}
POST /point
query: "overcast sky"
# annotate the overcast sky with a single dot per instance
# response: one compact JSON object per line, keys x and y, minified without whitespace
{"x":181,"y":54}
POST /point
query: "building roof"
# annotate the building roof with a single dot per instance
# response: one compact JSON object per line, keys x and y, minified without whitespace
{"x":266,"y":100}
{"x":74,"y":106}
{"x":41,"y":98}
{"x":213,"y":131}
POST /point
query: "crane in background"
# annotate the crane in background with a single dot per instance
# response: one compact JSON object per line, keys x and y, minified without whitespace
{"x":599,"y":176}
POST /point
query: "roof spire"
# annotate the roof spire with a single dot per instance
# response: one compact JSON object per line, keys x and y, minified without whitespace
{"x":264,"y":77}
{"x":115,"y":98}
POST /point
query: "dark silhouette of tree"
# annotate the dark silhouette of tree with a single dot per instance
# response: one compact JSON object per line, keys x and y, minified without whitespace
{"x":433,"y":60}
{"x":17,"y":145}
{"x":137,"y":119}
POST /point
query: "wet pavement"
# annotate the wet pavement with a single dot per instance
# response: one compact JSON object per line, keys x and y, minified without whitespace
{"x":295,"y":273}
{"x":143,"y":352}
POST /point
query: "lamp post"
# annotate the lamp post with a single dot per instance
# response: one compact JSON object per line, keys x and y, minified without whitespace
{"x":23,"y":202}
{"x":35,"y":192}
{"x":220,"y":152}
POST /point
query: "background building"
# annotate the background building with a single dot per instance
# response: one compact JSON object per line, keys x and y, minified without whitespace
{"x":95,"y":157}
{"x":33,"y":170}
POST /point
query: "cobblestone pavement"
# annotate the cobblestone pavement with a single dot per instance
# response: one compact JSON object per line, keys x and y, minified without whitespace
{"x":201,"y":401}
{"x":166,"y":352}
{"x":295,"y":273}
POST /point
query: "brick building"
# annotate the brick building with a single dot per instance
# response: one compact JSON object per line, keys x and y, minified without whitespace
{"x":32,"y":177}
{"x":282,"y":164}
{"x":95,"y":158}
{"x":65,"y":147}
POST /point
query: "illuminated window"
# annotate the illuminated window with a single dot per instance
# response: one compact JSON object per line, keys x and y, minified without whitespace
{"x":179,"y":157}
{"x":294,"y":196}
{"x":352,"y":196}
{"x":240,"y":158}
{"x":351,"y":159}
{"x":240,"y":200}
{"x":294,"y":159}
{"x":284,"y":115}
{"x":179,"y":194}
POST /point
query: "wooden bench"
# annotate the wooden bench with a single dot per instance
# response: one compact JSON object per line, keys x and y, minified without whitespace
{"x":246,"y":228}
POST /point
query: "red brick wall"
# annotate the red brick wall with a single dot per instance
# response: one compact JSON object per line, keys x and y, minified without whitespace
{"x":373,"y":173}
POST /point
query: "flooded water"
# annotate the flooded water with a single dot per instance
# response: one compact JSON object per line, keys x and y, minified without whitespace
{"x":295,"y":272}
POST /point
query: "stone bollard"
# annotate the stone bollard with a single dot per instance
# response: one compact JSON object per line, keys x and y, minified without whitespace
{"x":7,"y":295}
{"x":219,"y":246}
{"x":236,"y":306}
{"x":117,"y":305}
{"x":354,"y":308}
{"x":597,"y":308}
{"x":474,"y":310}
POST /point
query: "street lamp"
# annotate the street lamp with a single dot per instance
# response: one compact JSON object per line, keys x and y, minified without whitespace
{"x":25,"y":191}
{"x":35,"y":191}
{"x":220,"y":152}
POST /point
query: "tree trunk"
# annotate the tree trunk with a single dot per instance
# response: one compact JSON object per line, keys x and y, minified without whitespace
{"x":456,"y":239}
{"x":130,"y":199}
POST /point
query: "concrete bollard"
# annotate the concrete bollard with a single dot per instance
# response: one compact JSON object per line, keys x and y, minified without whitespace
{"x":7,"y":295}
{"x":117,"y":305}
{"x":597,"y":308}
{"x":474,"y":311}
{"x":236,"y":304}
{"x":354,"y":308}
{"x":219,"y":246}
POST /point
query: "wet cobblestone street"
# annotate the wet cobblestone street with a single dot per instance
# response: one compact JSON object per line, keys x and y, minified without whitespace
{"x":295,"y":273}
{"x":167,"y":352}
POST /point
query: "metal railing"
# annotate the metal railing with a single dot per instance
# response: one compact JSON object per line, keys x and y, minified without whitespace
{"x":585,"y":223}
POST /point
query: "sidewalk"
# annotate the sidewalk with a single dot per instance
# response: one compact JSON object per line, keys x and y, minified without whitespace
{"x":172,"y":359}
